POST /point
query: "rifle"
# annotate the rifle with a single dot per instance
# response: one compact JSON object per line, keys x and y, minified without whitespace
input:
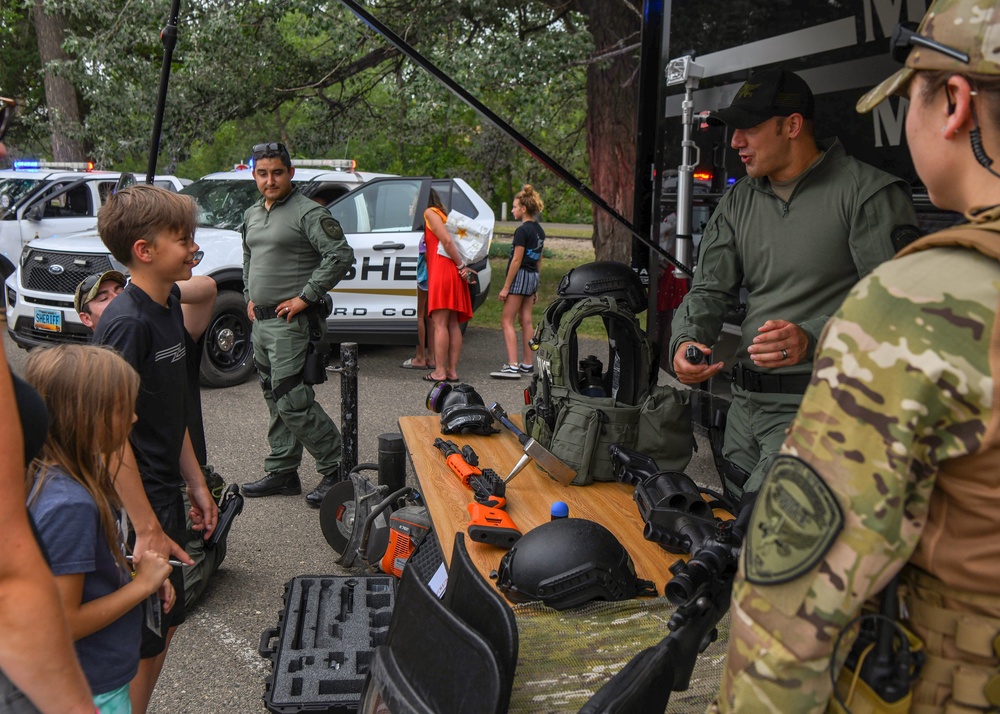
{"x":489,"y":522}
{"x":680,"y":521}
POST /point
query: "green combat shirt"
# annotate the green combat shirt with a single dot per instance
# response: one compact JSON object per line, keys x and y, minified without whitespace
{"x":295,"y":247}
{"x":902,"y":403}
{"x":797,"y":259}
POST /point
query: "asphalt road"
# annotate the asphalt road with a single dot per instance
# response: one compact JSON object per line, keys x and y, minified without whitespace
{"x":213,"y":664}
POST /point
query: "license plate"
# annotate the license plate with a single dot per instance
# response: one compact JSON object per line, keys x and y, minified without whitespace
{"x":49,"y":320}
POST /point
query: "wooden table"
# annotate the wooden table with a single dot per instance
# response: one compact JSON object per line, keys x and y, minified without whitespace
{"x":529,"y":497}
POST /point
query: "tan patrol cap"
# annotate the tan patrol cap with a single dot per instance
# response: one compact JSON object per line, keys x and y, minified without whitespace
{"x":88,"y":288}
{"x":969,"y":26}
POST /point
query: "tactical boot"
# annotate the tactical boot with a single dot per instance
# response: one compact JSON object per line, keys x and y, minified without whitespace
{"x":285,"y":483}
{"x":315,"y":497}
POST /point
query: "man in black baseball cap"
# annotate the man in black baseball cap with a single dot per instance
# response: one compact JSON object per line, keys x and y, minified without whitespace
{"x":772,"y":93}
{"x":798,"y":232}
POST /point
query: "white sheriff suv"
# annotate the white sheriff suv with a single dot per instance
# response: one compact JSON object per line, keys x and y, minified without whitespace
{"x":375,"y":303}
{"x":39,"y":199}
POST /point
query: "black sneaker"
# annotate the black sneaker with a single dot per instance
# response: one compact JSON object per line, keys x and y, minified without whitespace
{"x":285,"y":483}
{"x":508,"y":371}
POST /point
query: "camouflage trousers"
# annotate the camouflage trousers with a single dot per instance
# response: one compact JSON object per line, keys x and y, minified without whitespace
{"x":296,"y":420}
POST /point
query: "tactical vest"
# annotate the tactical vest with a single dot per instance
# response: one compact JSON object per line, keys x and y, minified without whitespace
{"x":958,"y":621}
{"x":578,"y":408}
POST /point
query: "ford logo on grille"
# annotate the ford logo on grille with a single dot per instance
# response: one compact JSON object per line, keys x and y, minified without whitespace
{"x":56,"y":269}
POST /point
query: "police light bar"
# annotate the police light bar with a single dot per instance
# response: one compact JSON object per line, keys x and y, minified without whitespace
{"x":339,"y":164}
{"x":702,"y":176}
{"x":241,"y":167}
{"x":34,"y":165}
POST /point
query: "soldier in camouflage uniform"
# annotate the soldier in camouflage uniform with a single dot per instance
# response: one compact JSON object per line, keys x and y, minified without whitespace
{"x":893,"y":463}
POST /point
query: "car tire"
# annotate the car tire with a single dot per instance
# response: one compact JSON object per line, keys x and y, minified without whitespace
{"x":228,"y":357}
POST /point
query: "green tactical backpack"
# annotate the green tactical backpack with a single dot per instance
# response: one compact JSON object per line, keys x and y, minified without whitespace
{"x":578,"y":408}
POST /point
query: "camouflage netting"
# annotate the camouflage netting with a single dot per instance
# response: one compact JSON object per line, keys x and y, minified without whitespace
{"x":565,"y":657}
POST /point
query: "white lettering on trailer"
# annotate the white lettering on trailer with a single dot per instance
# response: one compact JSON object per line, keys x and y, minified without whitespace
{"x":888,"y":13}
{"x":891,"y":121}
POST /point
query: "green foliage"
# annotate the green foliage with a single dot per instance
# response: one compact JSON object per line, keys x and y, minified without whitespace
{"x":314,"y":76}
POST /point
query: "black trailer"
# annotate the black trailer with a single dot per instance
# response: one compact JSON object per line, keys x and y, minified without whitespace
{"x":695,"y":54}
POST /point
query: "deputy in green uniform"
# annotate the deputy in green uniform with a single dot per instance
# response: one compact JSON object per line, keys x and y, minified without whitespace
{"x":892,"y":465}
{"x":294,"y":252}
{"x":798,"y":232}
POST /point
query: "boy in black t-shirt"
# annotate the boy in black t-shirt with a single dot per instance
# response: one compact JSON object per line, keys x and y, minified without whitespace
{"x":151,"y":231}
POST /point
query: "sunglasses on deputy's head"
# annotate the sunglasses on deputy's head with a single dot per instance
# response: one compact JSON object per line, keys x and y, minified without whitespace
{"x":6,"y":114}
{"x":270,"y":147}
{"x":89,"y":282}
{"x":905,"y":37}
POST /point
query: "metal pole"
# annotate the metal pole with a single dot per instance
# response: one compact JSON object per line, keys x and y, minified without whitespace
{"x":349,"y":406}
{"x":168,"y":35}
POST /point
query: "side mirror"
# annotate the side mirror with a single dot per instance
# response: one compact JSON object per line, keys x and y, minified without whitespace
{"x":36,"y":212}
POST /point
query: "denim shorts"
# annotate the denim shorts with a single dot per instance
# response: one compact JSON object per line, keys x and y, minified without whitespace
{"x":422,"y":272}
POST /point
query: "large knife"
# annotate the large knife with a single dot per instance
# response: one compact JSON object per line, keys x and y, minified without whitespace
{"x":546,"y":460}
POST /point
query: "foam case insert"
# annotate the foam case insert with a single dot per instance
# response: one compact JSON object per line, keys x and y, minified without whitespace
{"x":326,"y":639}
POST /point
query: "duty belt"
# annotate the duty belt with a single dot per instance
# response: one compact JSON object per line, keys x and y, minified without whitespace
{"x":268,"y":312}
{"x":762,"y":382}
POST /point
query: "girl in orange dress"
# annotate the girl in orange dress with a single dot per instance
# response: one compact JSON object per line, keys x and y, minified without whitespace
{"x":448,"y":300}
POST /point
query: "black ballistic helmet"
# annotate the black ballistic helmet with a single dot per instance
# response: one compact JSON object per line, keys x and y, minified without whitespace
{"x":461,"y":408}
{"x":604,"y":278}
{"x":567,"y":562}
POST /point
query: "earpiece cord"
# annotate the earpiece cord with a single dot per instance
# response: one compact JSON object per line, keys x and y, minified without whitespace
{"x":976,"y":139}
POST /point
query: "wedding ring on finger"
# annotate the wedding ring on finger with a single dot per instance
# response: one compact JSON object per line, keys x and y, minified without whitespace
{"x":784,"y":354}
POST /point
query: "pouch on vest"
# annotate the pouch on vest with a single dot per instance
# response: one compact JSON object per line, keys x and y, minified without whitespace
{"x":665,"y":432}
{"x":584,"y":430}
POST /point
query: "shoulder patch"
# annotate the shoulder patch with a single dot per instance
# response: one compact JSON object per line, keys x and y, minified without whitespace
{"x":794,"y":523}
{"x":331,"y":227}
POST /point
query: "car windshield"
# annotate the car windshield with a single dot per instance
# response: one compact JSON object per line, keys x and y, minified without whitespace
{"x":221,"y":204}
{"x":12,"y":190}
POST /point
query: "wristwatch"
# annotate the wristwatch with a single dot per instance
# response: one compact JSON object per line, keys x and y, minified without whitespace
{"x":304,"y":298}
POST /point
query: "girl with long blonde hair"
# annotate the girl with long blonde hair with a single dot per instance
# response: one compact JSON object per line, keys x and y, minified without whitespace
{"x":90,"y":395}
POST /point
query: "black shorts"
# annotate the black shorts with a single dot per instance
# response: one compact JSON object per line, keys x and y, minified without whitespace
{"x":173,"y":519}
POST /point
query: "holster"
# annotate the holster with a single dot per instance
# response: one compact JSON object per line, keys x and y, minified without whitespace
{"x":318,"y":350}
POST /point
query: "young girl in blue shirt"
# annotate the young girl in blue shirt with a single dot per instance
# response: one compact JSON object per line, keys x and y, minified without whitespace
{"x":90,"y":395}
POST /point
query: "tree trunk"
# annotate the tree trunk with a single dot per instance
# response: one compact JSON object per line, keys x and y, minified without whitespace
{"x":60,"y":94}
{"x":612,"y":102}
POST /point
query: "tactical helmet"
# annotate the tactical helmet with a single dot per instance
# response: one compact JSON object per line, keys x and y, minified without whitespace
{"x":567,"y":562}
{"x":950,"y":29}
{"x":604,"y":278}
{"x":461,"y":408}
